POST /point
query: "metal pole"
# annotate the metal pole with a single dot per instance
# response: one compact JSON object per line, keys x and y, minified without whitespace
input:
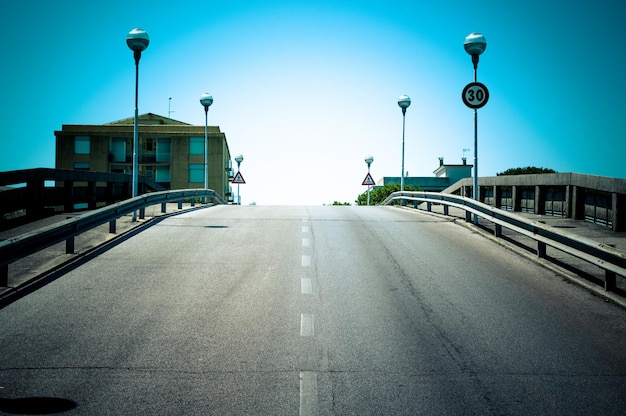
{"x":238,"y":195}
{"x":206,"y":149}
{"x":403,"y":124}
{"x":137,"y":55}
{"x":368,"y":187}
{"x":476,"y":189}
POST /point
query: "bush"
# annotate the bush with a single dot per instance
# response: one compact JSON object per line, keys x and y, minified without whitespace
{"x":525,"y":171}
{"x":379,"y":194}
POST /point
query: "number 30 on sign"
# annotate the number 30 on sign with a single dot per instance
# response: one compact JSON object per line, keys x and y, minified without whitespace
{"x":475,"y":95}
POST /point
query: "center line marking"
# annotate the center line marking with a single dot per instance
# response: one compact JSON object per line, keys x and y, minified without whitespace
{"x":306,"y":260}
{"x":306,"y":286}
{"x":307,"y":328}
{"x":306,"y":242}
{"x":305,"y":229}
{"x":308,"y":393}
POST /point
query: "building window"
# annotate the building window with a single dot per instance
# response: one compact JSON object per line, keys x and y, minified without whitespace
{"x":163,"y":151}
{"x":162,"y":174}
{"x":81,"y":145}
{"x":81,"y":166}
{"x":196,"y":172}
{"x":196,"y":146}
{"x":117,"y":151}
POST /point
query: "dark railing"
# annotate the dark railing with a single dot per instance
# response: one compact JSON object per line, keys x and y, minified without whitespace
{"x":611,"y":260}
{"x":26,"y":244}
{"x":31,"y":194}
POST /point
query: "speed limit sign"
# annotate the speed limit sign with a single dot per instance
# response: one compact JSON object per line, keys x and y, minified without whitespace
{"x":475,"y":95}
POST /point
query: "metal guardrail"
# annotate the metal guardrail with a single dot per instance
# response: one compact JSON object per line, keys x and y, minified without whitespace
{"x":23,"y":245}
{"x":30,"y":194}
{"x":611,"y":260}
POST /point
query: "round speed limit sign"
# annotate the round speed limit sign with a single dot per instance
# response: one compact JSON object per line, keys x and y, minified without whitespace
{"x":475,"y":95}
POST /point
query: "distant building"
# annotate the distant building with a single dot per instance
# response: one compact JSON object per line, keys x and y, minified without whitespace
{"x":445,"y":176}
{"x":170,"y":152}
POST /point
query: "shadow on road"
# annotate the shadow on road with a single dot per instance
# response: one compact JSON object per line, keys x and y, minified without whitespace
{"x":36,"y":405}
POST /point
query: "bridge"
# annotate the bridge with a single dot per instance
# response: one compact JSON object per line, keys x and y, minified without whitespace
{"x":314,"y":311}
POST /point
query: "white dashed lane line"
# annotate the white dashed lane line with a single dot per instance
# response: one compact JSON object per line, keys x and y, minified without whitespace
{"x":308,"y":379}
{"x":307,"y":326}
{"x":308,"y":393}
{"x":306,"y":286}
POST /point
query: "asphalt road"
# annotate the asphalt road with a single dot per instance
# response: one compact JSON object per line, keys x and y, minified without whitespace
{"x":312,"y":310}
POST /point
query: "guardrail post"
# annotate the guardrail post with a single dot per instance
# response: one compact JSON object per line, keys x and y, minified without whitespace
{"x":541,"y":249}
{"x":445,"y":210}
{"x":415,"y":204}
{"x":498,"y":231}
{"x":468,"y":216}
{"x":112,"y":226}
{"x":610,"y":278}
{"x":142,"y":213}
{"x":180,"y":204}
{"x":4,"y":275}
{"x":610,"y":281}
{"x":163,"y":207}
{"x":69,"y":245}
{"x":429,"y":206}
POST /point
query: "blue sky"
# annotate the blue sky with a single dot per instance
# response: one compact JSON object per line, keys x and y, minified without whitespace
{"x":306,"y":89}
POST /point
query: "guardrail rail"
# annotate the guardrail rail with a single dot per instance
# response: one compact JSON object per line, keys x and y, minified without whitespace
{"x":611,"y":260}
{"x":26,"y":244}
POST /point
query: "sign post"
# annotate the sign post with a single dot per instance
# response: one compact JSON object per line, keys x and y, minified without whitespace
{"x":369,"y":181}
{"x":238,"y":179}
{"x":475,"y":95}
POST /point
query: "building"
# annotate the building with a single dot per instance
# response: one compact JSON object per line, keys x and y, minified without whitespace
{"x":170,"y":153}
{"x":445,"y":176}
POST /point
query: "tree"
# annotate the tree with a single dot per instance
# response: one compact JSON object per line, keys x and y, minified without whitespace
{"x":525,"y":171}
{"x":379,"y":194}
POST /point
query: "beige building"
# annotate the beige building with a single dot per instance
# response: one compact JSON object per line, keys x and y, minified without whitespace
{"x":171,"y":152}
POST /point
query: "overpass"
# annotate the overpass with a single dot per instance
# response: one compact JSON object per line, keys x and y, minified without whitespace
{"x":313,"y":310}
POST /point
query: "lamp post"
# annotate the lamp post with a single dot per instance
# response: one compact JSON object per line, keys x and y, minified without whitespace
{"x":404,"y":102}
{"x":238,"y":159}
{"x":137,"y":40}
{"x":475,"y":44}
{"x":206,"y":100}
{"x":369,"y":159}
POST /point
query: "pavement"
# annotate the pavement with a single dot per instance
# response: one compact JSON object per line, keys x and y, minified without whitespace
{"x":41,"y":263}
{"x":34,"y":266}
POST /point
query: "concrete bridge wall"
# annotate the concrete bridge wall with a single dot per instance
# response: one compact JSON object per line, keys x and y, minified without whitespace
{"x":597,"y":199}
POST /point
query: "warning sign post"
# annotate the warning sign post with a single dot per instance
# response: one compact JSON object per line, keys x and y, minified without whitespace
{"x":369,"y":181}
{"x":238,"y":179}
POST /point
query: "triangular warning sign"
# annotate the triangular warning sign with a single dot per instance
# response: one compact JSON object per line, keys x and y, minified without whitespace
{"x":238,"y":178}
{"x":368,"y":180}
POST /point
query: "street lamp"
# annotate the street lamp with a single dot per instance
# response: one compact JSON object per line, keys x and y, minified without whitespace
{"x":238,"y":159}
{"x":368,"y":159}
{"x":206,"y":100}
{"x":404,"y":102}
{"x":137,"y":40}
{"x":475,"y":44}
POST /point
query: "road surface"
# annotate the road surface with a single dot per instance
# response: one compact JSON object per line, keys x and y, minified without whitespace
{"x":313,"y":311}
